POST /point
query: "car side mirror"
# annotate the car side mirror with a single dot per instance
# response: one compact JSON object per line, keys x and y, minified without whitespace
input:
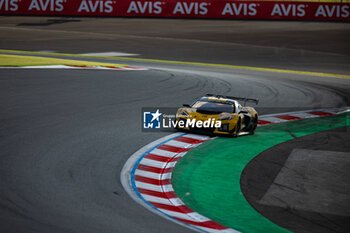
{"x":186,"y":105}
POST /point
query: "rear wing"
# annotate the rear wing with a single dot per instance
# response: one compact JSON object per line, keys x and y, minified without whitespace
{"x":256,"y":101}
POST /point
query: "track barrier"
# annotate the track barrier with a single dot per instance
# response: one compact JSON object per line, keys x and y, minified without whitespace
{"x":218,"y":9}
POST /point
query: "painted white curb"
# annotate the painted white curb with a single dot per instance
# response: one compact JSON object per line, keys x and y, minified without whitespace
{"x":146,"y":176}
{"x":290,"y":116}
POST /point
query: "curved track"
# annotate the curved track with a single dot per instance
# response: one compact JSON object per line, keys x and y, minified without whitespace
{"x":314,"y":170}
{"x":65,"y":135}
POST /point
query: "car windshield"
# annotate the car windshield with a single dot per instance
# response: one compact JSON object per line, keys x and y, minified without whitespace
{"x":213,"y":107}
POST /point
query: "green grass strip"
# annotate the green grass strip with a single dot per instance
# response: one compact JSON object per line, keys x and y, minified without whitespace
{"x":183,"y":63}
{"x":207,"y":179}
{"x":19,"y":61}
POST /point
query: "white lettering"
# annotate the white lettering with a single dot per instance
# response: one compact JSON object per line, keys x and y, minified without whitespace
{"x":97,"y":6}
{"x":178,"y":8}
{"x":199,"y":124}
{"x":345,"y":11}
{"x":240,"y":9}
{"x":181,"y":124}
{"x":191,"y":8}
{"x":337,"y":11}
{"x":109,"y":7}
{"x":143,"y":7}
{"x":132,"y":7}
{"x":14,"y":5}
{"x":59,"y":5}
{"x":4,"y":2}
{"x":203,"y":8}
{"x":157,"y":8}
{"x":93,"y":7}
{"x":44,"y":5}
{"x":48,"y":5}
{"x":329,"y":11}
{"x":237,"y":10}
{"x":301,"y":10}
{"x":320,"y":11}
{"x":288,"y":10}
{"x":9,"y":5}
{"x":332,"y":11}
{"x":276,"y":10}
{"x":165,"y":125}
{"x":227,"y":9}
{"x":190,"y":123}
{"x":252,"y":11}
{"x":34,"y":4}
{"x":207,"y":123}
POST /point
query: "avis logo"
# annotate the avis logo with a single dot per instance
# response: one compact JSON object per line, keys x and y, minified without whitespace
{"x":46,"y":5}
{"x":151,"y":120}
{"x":142,"y":7}
{"x":97,"y":6}
{"x":240,"y":9}
{"x":9,"y":5}
{"x":289,"y":10}
{"x":333,"y":11}
{"x":191,"y":8}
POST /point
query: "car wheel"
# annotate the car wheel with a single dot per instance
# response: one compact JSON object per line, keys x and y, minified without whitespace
{"x":237,"y":128}
{"x":254,"y":125}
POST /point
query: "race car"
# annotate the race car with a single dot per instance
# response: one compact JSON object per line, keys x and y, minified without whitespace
{"x":218,"y":114}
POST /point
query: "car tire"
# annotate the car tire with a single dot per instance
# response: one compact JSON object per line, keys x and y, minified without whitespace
{"x":237,"y":128}
{"x":254,"y":125}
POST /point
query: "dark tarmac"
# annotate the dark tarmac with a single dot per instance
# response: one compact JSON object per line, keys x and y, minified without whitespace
{"x":303,"y":184}
{"x":66,"y":134}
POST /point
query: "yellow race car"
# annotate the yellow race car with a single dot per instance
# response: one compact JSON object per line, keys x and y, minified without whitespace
{"x":218,"y":114}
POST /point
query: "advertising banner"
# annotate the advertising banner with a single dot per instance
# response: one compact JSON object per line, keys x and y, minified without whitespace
{"x":219,"y":9}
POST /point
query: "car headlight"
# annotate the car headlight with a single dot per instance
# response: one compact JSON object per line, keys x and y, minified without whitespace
{"x":224,"y":127}
{"x":184,"y":113}
{"x":225,"y":116}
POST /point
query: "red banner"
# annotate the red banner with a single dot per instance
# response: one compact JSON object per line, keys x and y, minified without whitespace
{"x":180,"y":9}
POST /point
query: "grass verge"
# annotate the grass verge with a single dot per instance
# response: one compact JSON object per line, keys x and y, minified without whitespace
{"x":207,"y":179}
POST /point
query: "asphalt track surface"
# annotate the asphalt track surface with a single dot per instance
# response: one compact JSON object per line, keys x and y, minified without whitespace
{"x":66,"y":134}
{"x":311,"y":170}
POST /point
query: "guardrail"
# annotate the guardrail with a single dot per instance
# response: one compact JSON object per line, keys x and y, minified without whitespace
{"x":224,"y":9}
